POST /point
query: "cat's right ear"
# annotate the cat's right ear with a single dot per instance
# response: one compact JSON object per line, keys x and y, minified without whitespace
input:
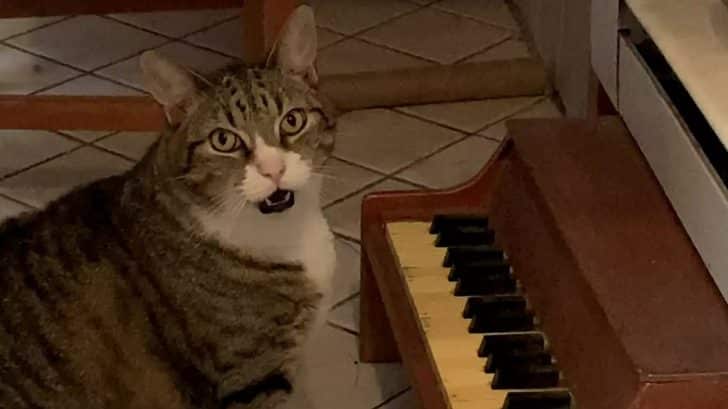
{"x":171,"y":85}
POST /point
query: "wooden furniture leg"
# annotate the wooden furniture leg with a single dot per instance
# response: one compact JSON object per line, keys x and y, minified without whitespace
{"x":262,"y":21}
{"x":376,"y":340}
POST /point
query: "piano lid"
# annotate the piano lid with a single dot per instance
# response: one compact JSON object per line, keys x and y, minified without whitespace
{"x":693,"y":37}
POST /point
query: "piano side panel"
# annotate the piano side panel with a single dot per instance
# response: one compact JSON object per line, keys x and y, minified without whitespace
{"x":708,"y":393}
{"x":598,"y":370}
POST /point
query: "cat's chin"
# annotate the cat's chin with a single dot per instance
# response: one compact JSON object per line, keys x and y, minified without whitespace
{"x":279,"y":201}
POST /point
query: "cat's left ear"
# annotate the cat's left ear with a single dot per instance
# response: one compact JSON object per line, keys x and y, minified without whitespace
{"x":295,"y":50}
{"x":172,"y":85}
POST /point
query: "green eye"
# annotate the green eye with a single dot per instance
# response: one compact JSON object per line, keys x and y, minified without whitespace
{"x":224,"y":141}
{"x":293,"y":123}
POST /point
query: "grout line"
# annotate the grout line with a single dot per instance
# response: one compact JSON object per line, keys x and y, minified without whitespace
{"x":410,"y":182}
{"x":430,"y":121}
{"x":354,"y":193}
{"x":483,"y":50}
{"x":342,"y":328}
{"x":431,"y":154}
{"x":393,"y":397}
{"x":22,"y":33}
{"x":344,"y":301}
{"x":42,"y":162}
{"x":538,"y":100}
{"x":512,"y":30}
{"x":490,"y":138}
{"x":109,"y":151}
{"x":400,"y":51}
{"x":18,"y":201}
{"x":148,"y":30}
{"x":348,"y":239}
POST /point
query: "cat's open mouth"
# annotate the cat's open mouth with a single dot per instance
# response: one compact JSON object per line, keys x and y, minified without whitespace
{"x":277,"y":202}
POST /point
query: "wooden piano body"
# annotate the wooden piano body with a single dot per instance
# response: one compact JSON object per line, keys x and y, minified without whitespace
{"x":631,"y":315}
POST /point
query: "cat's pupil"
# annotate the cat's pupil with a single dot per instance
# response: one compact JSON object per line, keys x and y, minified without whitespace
{"x":222,"y":138}
{"x":291,"y":120}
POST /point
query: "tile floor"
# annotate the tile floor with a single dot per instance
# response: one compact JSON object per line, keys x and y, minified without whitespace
{"x":431,"y":146}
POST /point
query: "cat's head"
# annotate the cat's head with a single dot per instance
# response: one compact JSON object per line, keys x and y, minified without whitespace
{"x":245,"y":135}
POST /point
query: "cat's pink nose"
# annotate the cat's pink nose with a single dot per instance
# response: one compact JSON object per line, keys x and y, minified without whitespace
{"x":272,"y":171}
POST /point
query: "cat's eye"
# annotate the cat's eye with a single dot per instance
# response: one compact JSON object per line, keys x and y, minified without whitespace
{"x":293,"y":123}
{"x":225,"y":141}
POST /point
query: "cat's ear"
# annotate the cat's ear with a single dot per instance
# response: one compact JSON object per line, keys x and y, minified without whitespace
{"x":295,"y":50}
{"x":173,"y":86}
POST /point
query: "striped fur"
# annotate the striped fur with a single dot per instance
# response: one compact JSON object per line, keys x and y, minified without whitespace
{"x":127,"y":293}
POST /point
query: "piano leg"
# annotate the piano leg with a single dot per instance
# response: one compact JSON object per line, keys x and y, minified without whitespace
{"x":376,"y":341}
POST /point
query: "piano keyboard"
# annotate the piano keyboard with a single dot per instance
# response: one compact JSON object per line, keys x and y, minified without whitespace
{"x":482,"y":336}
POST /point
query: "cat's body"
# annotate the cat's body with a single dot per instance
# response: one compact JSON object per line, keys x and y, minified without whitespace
{"x":192,"y":281}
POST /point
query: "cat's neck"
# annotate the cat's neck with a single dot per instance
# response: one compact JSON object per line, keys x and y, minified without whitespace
{"x":276,"y":237}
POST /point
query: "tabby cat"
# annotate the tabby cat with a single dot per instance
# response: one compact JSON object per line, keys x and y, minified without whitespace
{"x":195,"y":279}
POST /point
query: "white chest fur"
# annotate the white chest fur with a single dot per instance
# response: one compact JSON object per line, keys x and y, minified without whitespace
{"x":298,"y":235}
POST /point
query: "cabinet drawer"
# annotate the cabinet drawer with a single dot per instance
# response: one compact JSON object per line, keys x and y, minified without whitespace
{"x":696,"y":192}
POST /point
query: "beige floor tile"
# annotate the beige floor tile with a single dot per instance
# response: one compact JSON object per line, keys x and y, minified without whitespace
{"x":351,"y":16}
{"x":224,"y":38}
{"x":128,"y":71}
{"x":346,"y":315}
{"x":22,"y":148}
{"x":470,"y":116}
{"x":407,"y":400}
{"x":346,"y":277}
{"x":454,"y":165}
{"x":88,"y":136}
{"x":130,"y":144}
{"x":507,"y":50}
{"x":8,"y":208}
{"x":353,"y":55}
{"x":13,"y":26}
{"x":333,"y":377}
{"x":91,"y":85}
{"x":87,"y":42}
{"x":437,"y":35}
{"x":543,"y":109}
{"x":491,"y":11}
{"x":345,"y":217}
{"x":50,"y":180}
{"x":386,"y":140}
{"x":341,"y":179}
{"x":29,"y":73}
{"x":177,"y":23}
{"x":327,"y":37}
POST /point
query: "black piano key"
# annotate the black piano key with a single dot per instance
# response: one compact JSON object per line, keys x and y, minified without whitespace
{"x":538,"y":400}
{"x":517,"y":357}
{"x":494,"y":344}
{"x":464,"y":236}
{"x":449,"y":220}
{"x":478,"y":268}
{"x":507,"y":321}
{"x":468,"y":254}
{"x":494,"y":303}
{"x":528,"y":376}
{"x":485,"y":285}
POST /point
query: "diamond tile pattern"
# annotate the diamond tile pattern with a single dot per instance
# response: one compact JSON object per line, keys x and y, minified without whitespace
{"x":29,"y":73}
{"x":47,"y":181}
{"x":128,"y":71}
{"x":470,"y":116}
{"x":14,"y":26}
{"x":386,"y":140}
{"x":427,"y":146}
{"x":104,"y":41}
{"x":21,"y":149}
{"x":132,"y":145}
{"x":452,"y":166}
{"x":449,"y":37}
{"x":351,"y":16}
{"x":354,"y":55}
{"x":490,"y":11}
{"x":9,"y":208}
{"x":176,"y":23}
